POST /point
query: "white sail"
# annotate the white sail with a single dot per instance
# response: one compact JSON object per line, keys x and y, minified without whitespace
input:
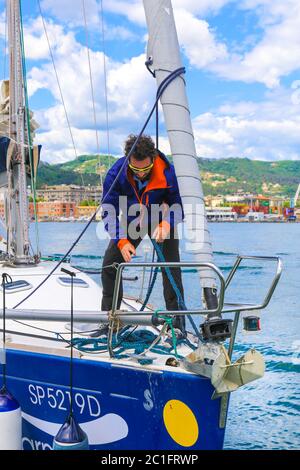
{"x":164,"y":54}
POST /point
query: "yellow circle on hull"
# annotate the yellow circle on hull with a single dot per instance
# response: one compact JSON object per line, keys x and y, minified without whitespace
{"x":181,"y":423}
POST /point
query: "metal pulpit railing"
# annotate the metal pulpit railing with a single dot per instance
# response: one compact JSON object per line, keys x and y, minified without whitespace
{"x":222,"y":308}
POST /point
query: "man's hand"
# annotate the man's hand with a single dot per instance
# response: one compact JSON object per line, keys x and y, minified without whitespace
{"x":127,"y":251}
{"x":161,"y":232}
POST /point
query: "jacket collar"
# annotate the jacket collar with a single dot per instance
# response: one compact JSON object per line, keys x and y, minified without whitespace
{"x":157,"y":178}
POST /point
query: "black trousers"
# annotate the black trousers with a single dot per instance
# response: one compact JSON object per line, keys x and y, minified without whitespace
{"x":170,"y":249}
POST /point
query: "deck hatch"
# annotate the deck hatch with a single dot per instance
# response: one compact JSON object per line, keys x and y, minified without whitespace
{"x":66,"y":281}
{"x":16,"y":286}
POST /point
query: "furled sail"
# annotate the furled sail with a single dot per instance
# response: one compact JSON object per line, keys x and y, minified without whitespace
{"x":163,"y":55}
{"x":17,"y":129}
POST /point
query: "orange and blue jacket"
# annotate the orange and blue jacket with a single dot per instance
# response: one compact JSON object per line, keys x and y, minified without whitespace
{"x":162,"y":188}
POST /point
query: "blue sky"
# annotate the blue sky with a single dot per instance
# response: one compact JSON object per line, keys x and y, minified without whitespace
{"x":242,"y":60}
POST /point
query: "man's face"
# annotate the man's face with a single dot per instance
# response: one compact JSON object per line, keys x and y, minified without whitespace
{"x":141,"y":165}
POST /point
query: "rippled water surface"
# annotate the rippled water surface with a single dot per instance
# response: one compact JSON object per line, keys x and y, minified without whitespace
{"x":266,"y":413}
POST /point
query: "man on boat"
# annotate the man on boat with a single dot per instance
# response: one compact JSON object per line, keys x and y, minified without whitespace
{"x":144,"y":190}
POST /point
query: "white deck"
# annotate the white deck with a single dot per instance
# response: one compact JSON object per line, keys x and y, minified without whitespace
{"x":25,"y":335}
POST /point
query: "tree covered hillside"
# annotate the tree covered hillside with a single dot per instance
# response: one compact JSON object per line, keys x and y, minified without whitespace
{"x":224,"y":176}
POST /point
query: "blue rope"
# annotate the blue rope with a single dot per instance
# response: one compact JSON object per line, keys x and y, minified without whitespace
{"x":162,"y":87}
{"x":161,"y":258}
{"x":139,"y":341}
{"x":150,"y":289}
{"x":180,"y":300}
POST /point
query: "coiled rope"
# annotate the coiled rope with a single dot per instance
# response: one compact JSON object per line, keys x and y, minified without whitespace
{"x":139,"y":342}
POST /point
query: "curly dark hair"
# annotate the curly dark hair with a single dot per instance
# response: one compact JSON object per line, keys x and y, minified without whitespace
{"x":145,"y":147}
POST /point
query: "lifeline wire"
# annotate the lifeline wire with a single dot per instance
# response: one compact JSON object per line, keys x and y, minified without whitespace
{"x":165,"y":83}
{"x":5,"y":278}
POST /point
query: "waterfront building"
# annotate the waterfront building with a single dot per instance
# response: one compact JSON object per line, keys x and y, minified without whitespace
{"x":238,"y":198}
{"x":221,"y":214}
{"x":254,"y":216}
{"x":214,"y":201}
{"x":70,"y":193}
{"x":52,"y":210}
{"x":85,"y":212}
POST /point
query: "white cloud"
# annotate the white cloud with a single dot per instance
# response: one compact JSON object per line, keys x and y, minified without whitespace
{"x":130,"y":91}
{"x":269,"y":13}
{"x":36,"y":45}
{"x":203,"y":7}
{"x":134,"y":11}
{"x":130,"y":88}
{"x":58,"y":148}
{"x":71,"y":12}
{"x":274,"y":56}
{"x":266,"y":130}
{"x":131,"y":9}
{"x":195,"y":36}
{"x":269,"y":130}
{"x":120,"y":33}
{"x":2,"y":25}
{"x":198,"y":41}
{"x":278,"y":52}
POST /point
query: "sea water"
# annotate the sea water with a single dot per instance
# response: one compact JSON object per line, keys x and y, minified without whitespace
{"x":266,"y":413}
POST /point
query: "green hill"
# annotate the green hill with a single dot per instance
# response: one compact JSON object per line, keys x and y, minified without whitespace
{"x":81,"y":171}
{"x":224,"y":176}
{"x":230,"y":175}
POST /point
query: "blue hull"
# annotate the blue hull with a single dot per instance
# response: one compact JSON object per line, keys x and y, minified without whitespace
{"x":119,"y":407}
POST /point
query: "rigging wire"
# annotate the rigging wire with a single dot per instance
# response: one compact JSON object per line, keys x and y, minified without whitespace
{"x":4,"y":76}
{"x":5,"y":43}
{"x":164,"y":84}
{"x":30,"y":142}
{"x":57,"y":79}
{"x":92,"y":88}
{"x":105,"y":81}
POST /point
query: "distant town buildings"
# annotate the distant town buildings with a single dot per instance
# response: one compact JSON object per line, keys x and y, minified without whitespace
{"x":71,"y":202}
{"x":64,"y":202}
{"x":61,"y":210}
{"x":221,"y":214}
{"x":52,"y":210}
{"x":250,"y":207}
{"x":70,"y":193}
{"x":84,"y":212}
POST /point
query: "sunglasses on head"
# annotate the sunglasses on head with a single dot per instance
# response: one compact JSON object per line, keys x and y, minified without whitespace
{"x":140,"y":170}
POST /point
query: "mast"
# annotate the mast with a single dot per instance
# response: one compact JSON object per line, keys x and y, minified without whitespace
{"x":163,"y":57}
{"x":18,"y":229}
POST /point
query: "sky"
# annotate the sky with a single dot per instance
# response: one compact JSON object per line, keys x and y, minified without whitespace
{"x":242,"y":60}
